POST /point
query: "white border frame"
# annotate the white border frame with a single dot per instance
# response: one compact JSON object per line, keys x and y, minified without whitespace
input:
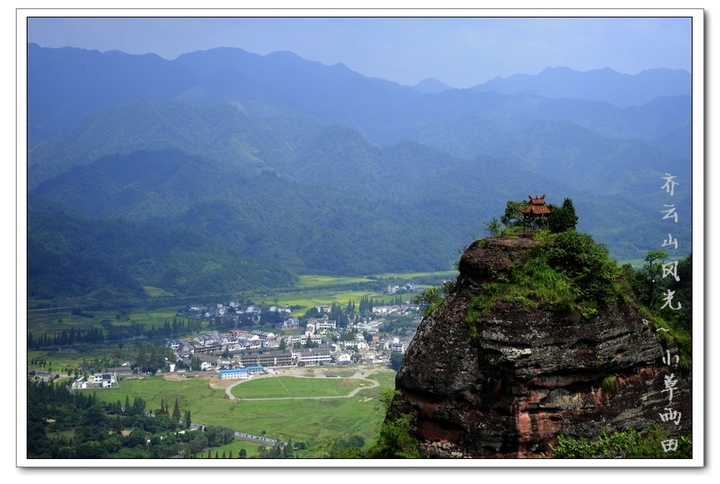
{"x":698,"y":219}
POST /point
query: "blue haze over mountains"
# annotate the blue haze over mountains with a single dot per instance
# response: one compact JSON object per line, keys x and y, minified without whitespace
{"x":299,"y":167}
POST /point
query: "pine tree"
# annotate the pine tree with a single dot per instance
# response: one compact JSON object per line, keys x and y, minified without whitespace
{"x":563,"y":218}
{"x":176,"y":412}
{"x":141,"y":359}
{"x":288,"y":449}
{"x":118,"y":426}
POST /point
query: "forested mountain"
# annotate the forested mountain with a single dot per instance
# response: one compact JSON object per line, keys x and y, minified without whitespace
{"x":280,"y":163}
{"x":65,"y":85}
{"x":69,"y":256}
{"x":308,"y":227}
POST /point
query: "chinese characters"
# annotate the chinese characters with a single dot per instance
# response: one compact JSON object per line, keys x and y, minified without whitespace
{"x":670,"y":269}
{"x":670,"y":415}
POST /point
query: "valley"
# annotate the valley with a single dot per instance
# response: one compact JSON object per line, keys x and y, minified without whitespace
{"x":256,"y":239}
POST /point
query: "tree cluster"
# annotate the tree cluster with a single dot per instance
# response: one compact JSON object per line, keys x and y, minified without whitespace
{"x":111,"y":430}
{"x":91,"y":336}
{"x":561,"y":219}
{"x":650,"y":285}
{"x":280,"y":450}
{"x":111,"y":332}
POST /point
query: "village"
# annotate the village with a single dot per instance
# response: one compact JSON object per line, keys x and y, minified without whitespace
{"x":298,"y":342}
{"x":233,"y":349}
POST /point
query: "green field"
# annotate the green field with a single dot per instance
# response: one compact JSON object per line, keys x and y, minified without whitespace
{"x":312,"y":290}
{"x":416,"y":275}
{"x":107,"y":355}
{"x":54,"y":321}
{"x":315,"y":290}
{"x":308,"y":281}
{"x":150,"y":318}
{"x":316,"y":422}
{"x":327,"y":298}
{"x":284,"y":387}
{"x":153,"y":291}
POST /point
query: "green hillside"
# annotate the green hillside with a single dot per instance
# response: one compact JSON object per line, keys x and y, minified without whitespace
{"x":69,"y":256}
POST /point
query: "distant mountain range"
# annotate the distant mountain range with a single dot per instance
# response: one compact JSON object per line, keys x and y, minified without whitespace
{"x":604,"y":85}
{"x":293,"y":166}
{"x":431,"y":85}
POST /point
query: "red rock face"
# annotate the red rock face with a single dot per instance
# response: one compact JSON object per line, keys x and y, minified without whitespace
{"x":528,"y":376}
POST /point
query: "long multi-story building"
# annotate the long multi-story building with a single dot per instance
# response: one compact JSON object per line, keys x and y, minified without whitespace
{"x":314,"y":356}
{"x":268,"y":358}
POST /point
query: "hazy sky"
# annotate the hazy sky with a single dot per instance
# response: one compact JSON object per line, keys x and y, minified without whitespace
{"x":461,"y":52}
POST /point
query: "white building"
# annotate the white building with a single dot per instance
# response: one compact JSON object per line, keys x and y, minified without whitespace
{"x":321,"y":324}
{"x":398,"y":347}
{"x":314,"y":357}
{"x":344,"y":358}
{"x":98,"y":380}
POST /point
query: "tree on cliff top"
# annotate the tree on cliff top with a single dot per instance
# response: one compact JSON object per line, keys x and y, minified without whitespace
{"x":587,"y":263}
{"x":512,"y":216}
{"x":562,"y":218}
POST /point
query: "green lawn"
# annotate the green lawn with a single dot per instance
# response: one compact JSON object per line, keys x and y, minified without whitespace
{"x":316,"y":422}
{"x":285,"y":386}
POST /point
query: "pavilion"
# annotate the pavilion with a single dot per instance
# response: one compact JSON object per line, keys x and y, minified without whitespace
{"x":534,"y":210}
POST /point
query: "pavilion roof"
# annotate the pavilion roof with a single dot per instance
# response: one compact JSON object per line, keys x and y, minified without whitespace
{"x":536,"y":206}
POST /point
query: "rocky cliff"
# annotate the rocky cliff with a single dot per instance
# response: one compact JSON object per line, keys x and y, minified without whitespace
{"x":509,"y":386}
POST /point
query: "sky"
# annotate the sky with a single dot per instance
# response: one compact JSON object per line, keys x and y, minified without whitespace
{"x":460,"y":52}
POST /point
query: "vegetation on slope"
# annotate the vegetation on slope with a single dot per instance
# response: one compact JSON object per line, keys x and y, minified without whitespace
{"x":72,"y":256}
{"x":628,"y":444}
{"x":569,"y":271}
